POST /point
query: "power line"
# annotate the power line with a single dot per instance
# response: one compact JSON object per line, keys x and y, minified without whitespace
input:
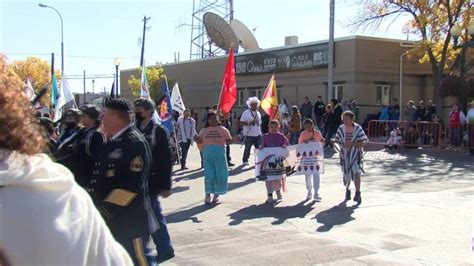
{"x":76,"y":56}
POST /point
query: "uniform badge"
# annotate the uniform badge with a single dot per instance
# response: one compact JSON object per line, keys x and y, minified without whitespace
{"x":110,"y":173}
{"x":137,"y":164}
{"x":116,"y":154}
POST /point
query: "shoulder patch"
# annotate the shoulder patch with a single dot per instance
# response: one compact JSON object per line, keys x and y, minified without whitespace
{"x":136,"y":165}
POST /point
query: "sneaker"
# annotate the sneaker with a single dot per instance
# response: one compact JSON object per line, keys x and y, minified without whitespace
{"x":317,"y":198}
{"x":279,"y":196}
{"x":348,"y":194}
{"x":309,"y":196}
{"x":358,"y":198}
{"x":163,"y":258}
{"x":269,"y":199}
{"x":230,"y":164}
{"x":245,"y":163}
{"x":215,"y":200}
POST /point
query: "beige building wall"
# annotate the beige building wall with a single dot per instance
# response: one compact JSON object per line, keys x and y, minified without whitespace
{"x":362,"y":64}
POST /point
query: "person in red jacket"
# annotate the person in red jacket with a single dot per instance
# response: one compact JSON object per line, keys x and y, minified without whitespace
{"x":456,"y":120}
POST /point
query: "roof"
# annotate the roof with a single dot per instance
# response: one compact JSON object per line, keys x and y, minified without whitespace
{"x":342,"y":39}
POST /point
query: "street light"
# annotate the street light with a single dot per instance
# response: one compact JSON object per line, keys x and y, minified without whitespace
{"x":62,"y":35}
{"x":117,"y":63}
{"x":457,"y":32}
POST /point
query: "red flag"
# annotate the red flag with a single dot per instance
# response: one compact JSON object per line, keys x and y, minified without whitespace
{"x":229,"y":88}
{"x":269,"y":102}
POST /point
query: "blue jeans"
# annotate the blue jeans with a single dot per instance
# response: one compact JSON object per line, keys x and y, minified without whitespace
{"x":249,"y":142}
{"x":161,"y":236}
{"x":184,"y":152}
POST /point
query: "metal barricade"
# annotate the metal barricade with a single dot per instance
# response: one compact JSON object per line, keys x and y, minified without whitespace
{"x":409,"y":134}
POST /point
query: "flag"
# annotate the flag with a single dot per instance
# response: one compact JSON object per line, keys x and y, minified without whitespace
{"x":54,"y":95}
{"x":166,"y":116}
{"x":229,"y":88}
{"x":112,"y":90}
{"x":176,"y":100}
{"x":30,"y":94}
{"x":64,"y":96}
{"x":144,"y":84}
{"x":269,"y":102}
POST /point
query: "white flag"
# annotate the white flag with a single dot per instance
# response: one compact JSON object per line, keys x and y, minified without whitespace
{"x":30,"y":92}
{"x":176,"y":100}
{"x":64,"y":97}
{"x":144,"y":93}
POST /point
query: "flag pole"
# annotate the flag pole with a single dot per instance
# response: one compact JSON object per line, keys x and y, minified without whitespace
{"x":174,"y":128}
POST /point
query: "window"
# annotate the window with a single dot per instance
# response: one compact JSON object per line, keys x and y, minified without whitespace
{"x":256,"y":93}
{"x":240,"y":98}
{"x":383,"y":94}
{"x":338,"y":92}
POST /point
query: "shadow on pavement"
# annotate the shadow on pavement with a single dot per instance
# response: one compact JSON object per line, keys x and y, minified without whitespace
{"x":337,"y":215}
{"x":189,"y":214}
{"x":236,"y":185}
{"x":266,"y":210}
{"x":180,"y":189}
{"x":199,"y":173}
{"x":239,"y":169}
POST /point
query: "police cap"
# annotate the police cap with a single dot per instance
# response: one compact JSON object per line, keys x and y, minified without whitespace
{"x":145,"y":103}
{"x":73,"y":112}
{"x":93,"y":111}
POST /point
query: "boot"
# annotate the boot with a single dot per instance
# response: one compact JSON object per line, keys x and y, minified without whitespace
{"x":348,"y":194}
{"x":358,"y":198}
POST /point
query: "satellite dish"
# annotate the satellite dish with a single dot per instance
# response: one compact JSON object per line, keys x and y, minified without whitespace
{"x":246,"y":38}
{"x":219,"y":31}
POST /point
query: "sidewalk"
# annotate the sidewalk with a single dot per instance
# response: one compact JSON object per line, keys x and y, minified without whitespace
{"x":417,"y":209}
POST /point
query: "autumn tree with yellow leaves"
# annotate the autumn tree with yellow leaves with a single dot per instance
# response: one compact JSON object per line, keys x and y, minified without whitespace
{"x":39,"y":72}
{"x":431,"y":21}
{"x":154,"y":75}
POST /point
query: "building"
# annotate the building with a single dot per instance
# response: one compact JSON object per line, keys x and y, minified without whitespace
{"x":91,"y":98}
{"x":367,"y":70}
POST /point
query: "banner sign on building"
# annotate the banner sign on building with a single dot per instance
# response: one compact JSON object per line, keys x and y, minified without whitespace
{"x":275,"y":163}
{"x":282,"y":60}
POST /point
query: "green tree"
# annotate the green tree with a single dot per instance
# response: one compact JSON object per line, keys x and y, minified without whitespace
{"x":431,"y":20}
{"x":155,"y":77}
{"x":39,"y":72}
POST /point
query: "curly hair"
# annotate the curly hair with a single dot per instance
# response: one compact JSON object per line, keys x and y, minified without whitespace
{"x":19,"y":128}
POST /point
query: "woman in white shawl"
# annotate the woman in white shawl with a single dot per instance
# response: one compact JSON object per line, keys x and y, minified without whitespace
{"x":351,"y":137}
{"x":45,"y":217}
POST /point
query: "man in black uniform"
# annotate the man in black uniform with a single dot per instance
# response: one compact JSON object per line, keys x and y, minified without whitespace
{"x":119,"y":186}
{"x":159,"y":183}
{"x":70,"y":122}
{"x":81,"y":149}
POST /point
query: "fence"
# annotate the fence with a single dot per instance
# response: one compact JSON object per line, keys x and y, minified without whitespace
{"x":413,"y":134}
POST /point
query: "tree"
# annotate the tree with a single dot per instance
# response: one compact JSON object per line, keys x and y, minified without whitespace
{"x":154,"y":76}
{"x":39,"y":72}
{"x":431,"y":20}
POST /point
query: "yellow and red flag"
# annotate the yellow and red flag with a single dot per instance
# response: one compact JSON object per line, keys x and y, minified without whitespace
{"x":269,"y":102}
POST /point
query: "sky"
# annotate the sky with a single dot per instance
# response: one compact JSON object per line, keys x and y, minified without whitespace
{"x":97,"y":32}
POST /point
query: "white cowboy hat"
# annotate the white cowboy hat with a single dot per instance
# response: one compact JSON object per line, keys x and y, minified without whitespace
{"x":253,"y":100}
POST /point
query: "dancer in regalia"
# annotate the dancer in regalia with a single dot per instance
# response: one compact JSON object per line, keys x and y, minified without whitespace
{"x":351,"y":137}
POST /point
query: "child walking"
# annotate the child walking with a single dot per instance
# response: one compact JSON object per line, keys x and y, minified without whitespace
{"x":274,"y":139}
{"x":309,"y":134}
{"x":352,"y":138}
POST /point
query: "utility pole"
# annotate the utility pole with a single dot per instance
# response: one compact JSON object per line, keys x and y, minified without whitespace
{"x":93,"y":81}
{"x":330,"y":90}
{"x":145,"y":20}
{"x":84,"y":81}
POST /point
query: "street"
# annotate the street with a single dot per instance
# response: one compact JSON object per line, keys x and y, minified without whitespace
{"x":417,"y":208}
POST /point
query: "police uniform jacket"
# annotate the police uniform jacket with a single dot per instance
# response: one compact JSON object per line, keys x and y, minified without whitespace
{"x":79,"y":152}
{"x":119,"y":184}
{"x":160,"y":177}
